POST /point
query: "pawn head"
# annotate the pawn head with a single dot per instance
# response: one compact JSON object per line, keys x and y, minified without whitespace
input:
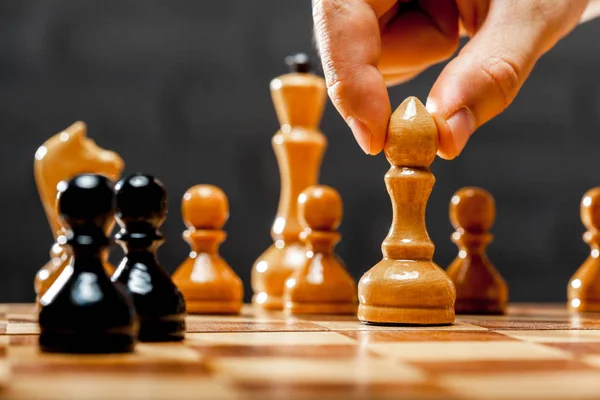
{"x":205,"y":207}
{"x":86,"y":198}
{"x":320,"y":208}
{"x":299,"y":63}
{"x":590,"y":209}
{"x":412,"y":137}
{"x":472,"y":209}
{"x":140,"y":198}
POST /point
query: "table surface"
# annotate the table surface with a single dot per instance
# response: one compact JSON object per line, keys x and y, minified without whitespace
{"x":535,"y":351}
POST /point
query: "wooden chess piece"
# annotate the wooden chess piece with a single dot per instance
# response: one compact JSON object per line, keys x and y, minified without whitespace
{"x":208,"y":283}
{"x":61,"y":157}
{"x":141,"y":208}
{"x":406,"y":286}
{"x":583,"y":291}
{"x":322,"y":285}
{"x":83,"y":311}
{"x":299,"y":99}
{"x":480,"y":289}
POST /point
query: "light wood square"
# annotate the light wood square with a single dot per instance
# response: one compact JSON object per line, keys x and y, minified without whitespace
{"x":466,"y":351}
{"x":359,"y":371}
{"x":533,"y":386}
{"x":269,"y":338}
{"x":556,"y":336}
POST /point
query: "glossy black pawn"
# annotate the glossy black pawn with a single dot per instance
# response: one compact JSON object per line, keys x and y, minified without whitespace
{"x":83,"y":311}
{"x":141,"y":209}
{"x":298,"y":63}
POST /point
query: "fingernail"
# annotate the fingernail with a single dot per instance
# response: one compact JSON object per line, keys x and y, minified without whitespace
{"x":462,"y":125}
{"x":361,"y":133}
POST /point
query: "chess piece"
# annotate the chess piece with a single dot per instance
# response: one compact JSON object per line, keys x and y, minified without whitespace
{"x":63,"y":156}
{"x":299,"y":99}
{"x":322,"y":285}
{"x":82,"y":311}
{"x":480,"y":289}
{"x":406,"y":286}
{"x":207,"y":282}
{"x":141,"y":207}
{"x":583,"y":291}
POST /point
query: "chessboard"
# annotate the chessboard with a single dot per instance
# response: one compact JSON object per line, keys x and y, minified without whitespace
{"x":532,"y":352}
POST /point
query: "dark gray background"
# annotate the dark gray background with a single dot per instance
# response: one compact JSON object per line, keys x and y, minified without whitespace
{"x":181,"y":90}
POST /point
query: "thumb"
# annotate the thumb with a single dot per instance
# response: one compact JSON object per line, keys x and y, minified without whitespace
{"x":490,"y":70}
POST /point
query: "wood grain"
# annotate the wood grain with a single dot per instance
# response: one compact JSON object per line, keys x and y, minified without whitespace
{"x":406,"y":286}
{"x":267,"y":355}
{"x":480,"y":289}
{"x":299,"y":100}
{"x":208,"y":283}
{"x":322,"y":285}
{"x":583,"y":290}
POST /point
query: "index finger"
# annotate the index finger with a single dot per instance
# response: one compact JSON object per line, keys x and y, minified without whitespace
{"x":349,"y":41}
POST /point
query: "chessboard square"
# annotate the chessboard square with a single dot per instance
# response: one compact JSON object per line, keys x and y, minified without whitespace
{"x":23,"y":340}
{"x":342,"y":391}
{"x":509,"y":324}
{"x":591,"y":360}
{"x":500,"y":366}
{"x":466,"y":351}
{"x":167,"y":358}
{"x":539,"y":385}
{"x":252,"y":326}
{"x":327,"y":351}
{"x":555,"y":336}
{"x":118,"y":386}
{"x":22,"y":327}
{"x":317,"y":370}
{"x":269,"y":338}
{"x":365,"y":337}
{"x":248,"y":313}
{"x":577,"y":349}
{"x":359,"y":326}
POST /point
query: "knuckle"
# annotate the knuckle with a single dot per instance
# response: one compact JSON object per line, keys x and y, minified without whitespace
{"x":335,"y":93}
{"x":340,"y":86}
{"x":505,"y":76}
{"x":336,"y":85}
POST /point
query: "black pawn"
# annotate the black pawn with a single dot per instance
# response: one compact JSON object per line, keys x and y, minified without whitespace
{"x":141,"y":210}
{"x":298,"y":63}
{"x":83,"y":311}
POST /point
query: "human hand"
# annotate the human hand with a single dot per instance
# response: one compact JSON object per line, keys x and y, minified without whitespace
{"x":366,"y":45}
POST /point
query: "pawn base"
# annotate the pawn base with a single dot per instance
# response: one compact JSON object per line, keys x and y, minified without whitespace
{"x":170,"y":328}
{"x":297,"y":308}
{"x":405,"y":315}
{"x":479,"y":307}
{"x":85,"y":342}
{"x":591,"y":306}
{"x":214,"y":307}
{"x":268,"y":302}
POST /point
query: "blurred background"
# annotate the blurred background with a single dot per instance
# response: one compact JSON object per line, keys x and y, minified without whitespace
{"x":180,"y":90}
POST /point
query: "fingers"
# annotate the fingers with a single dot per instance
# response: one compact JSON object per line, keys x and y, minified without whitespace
{"x":366,"y":44}
{"x":348,"y":37}
{"x":490,"y":70}
{"x":419,"y":37}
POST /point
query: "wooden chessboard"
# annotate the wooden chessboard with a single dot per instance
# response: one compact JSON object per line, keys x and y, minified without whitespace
{"x":535,"y":352}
